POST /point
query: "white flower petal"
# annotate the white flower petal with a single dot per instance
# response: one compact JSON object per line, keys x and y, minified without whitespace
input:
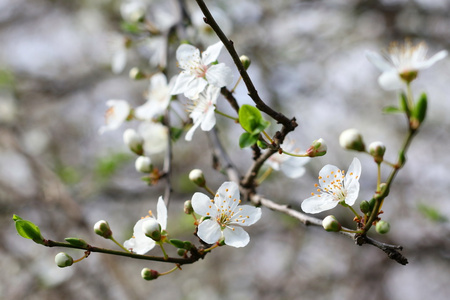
{"x":391,"y":81}
{"x":246,"y":215}
{"x":236,"y":237}
{"x":228,"y":191}
{"x":432,"y":60}
{"x":161,"y":213}
{"x":318,"y":203}
{"x":211,"y":54}
{"x":139,"y":243}
{"x":293,"y":167}
{"x":209,"y":120}
{"x":190,"y":133}
{"x":219,"y":75}
{"x":203,"y":205}
{"x":353,"y":173}
{"x":325,"y":177}
{"x":209,"y":231}
{"x":186,"y":53}
{"x":379,"y":61}
{"x":195,"y":87}
{"x":182,"y":82}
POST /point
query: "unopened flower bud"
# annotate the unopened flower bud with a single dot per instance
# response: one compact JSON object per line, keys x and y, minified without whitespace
{"x":63,"y":260}
{"x":133,"y":140}
{"x":245,"y":60}
{"x":317,"y":148}
{"x":137,"y":74}
{"x":382,"y":227}
{"x":330,"y":223}
{"x":143,"y":164}
{"x":133,"y":11}
{"x":188,"y":209}
{"x":149,"y":274}
{"x":377,"y":149}
{"x":197,"y":177}
{"x":152,"y":229}
{"x":351,"y":139}
{"x":102,"y":229}
{"x":181,"y":252}
{"x":364,"y":206}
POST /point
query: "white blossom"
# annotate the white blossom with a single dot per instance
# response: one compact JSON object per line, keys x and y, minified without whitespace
{"x":225,"y":216}
{"x":117,"y":113}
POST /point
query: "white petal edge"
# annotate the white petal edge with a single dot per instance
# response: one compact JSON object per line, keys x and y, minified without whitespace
{"x":316,"y":204}
{"x":209,"y":231}
{"x":161,"y":213}
{"x":201,"y":204}
{"x":236,"y":238}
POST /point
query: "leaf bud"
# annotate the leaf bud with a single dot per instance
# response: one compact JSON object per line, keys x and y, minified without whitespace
{"x":143,"y":164}
{"x":181,"y":252}
{"x":197,"y":177}
{"x":245,"y":60}
{"x":382,"y":227}
{"x":152,"y":229}
{"x":377,"y":150}
{"x":102,"y":229}
{"x":136,"y":74}
{"x":76,"y":242}
{"x":188,"y":209}
{"x":63,"y":260}
{"x":330,"y":223}
{"x":364,"y":206}
{"x":351,"y":139}
{"x":134,"y":141}
{"x":149,"y":274}
{"x":317,"y":148}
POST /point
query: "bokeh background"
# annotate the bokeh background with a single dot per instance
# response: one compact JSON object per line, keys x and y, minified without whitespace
{"x":308,"y":60}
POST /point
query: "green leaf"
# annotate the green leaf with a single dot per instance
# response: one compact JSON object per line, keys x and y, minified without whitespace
{"x":420,"y":110}
{"x":431,"y":213}
{"x":175,"y":133}
{"x":28,"y":230}
{"x":177,"y":243}
{"x":251,"y":119}
{"x":76,"y":242}
{"x":246,"y":140}
{"x":392,"y":110}
{"x":403,"y":104}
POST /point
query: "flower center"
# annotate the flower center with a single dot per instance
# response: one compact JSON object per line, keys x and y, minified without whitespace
{"x":333,"y":184}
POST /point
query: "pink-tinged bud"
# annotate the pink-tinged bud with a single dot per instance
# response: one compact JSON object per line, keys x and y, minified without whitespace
{"x":317,"y":148}
{"x":149,"y":274}
{"x":330,"y":223}
{"x":351,"y":139}
{"x":102,"y":229}
{"x":63,"y":260}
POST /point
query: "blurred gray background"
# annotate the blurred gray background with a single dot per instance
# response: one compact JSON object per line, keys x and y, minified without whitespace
{"x":308,"y":60}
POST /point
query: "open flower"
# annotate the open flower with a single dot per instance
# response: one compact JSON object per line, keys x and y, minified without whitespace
{"x":140,"y":243}
{"x":292,"y":167}
{"x":226,"y":216}
{"x":403,"y":63}
{"x":117,"y":113}
{"x":198,"y":72}
{"x":158,"y":98}
{"x":335,"y":187}
{"x":202,"y":111}
{"x":155,"y":136}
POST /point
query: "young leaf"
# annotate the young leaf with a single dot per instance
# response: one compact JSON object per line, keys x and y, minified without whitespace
{"x":246,"y":140}
{"x":28,"y":230}
{"x":249,"y":117}
{"x":420,"y":110}
{"x":392,"y":110}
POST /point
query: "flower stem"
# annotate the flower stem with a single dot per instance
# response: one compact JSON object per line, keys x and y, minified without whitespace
{"x":118,"y":244}
{"x":226,"y":115}
{"x":163,"y":250}
{"x":351,"y":231}
{"x":378,"y":177}
{"x":170,"y":271}
{"x":409,"y":96}
{"x":264,"y":175}
{"x":236,"y":85}
{"x":212,"y":247}
{"x":209,"y":190}
{"x":86,"y":254}
{"x":267,"y":136}
{"x":295,"y":155}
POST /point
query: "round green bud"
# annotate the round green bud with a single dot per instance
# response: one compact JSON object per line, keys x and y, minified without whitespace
{"x":152,"y":229}
{"x":364,"y":206}
{"x":188,"y":209}
{"x":181,"y":252}
{"x":330,"y":223}
{"x":63,"y":260}
{"x":351,"y":139}
{"x":377,"y":149}
{"x":149,"y":274}
{"x":382,"y":227}
{"x":102,"y":229}
{"x":197,"y":177}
